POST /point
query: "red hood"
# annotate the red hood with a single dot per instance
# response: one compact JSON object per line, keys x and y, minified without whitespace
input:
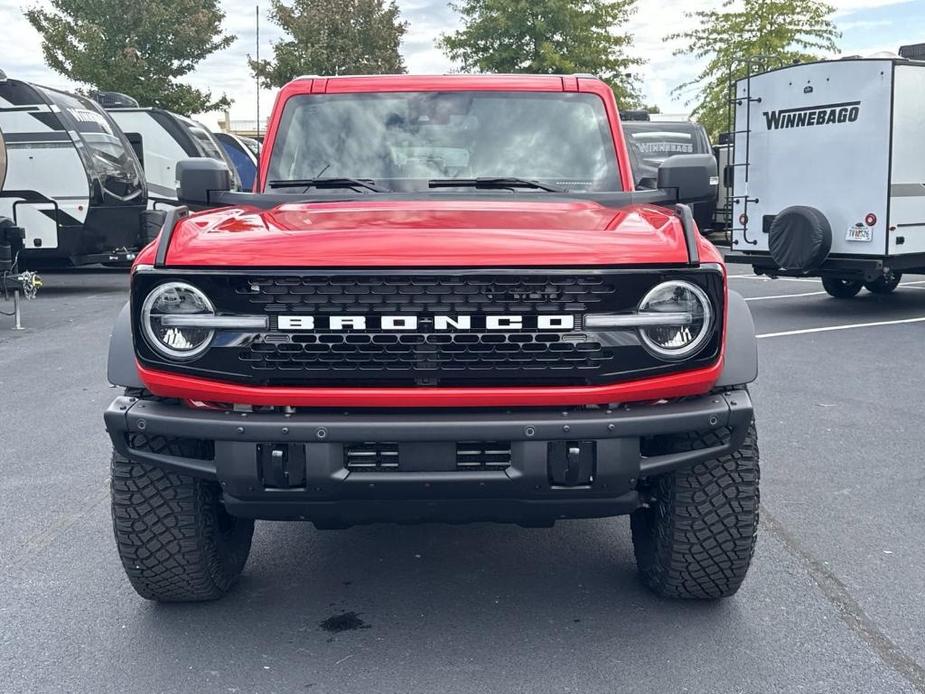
{"x":430,"y":234}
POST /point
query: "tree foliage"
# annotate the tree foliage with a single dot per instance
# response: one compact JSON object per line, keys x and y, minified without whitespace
{"x":138,"y":48}
{"x":547,"y":36}
{"x":768,"y":33}
{"x":353,"y":37}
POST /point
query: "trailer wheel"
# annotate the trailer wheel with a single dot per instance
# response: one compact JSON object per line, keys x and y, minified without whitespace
{"x":175,"y":538}
{"x":885,"y":284}
{"x":696,"y":537}
{"x":841,"y":289}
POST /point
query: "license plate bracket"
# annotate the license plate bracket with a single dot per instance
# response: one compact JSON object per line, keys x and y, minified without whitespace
{"x":859,"y":233}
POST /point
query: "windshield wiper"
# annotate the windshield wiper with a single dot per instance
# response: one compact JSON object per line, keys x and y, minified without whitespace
{"x":492,"y":183}
{"x":330,"y":182}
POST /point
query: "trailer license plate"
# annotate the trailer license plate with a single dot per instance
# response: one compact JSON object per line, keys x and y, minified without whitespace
{"x":860,"y":234}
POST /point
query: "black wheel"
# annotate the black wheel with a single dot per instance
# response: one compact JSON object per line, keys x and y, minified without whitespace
{"x":696,"y":537}
{"x":176,"y":541}
{"x":841,"y":289}
{"x":885,"y":284}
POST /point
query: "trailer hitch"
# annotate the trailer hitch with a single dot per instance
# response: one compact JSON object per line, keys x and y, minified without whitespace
{"x":26,"y":284}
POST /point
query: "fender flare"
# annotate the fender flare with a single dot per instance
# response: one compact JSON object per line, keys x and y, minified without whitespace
{"x":121,"y":370}
{"x":741,"y":361}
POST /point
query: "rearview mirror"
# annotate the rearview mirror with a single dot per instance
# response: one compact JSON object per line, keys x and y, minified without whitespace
{"x":198,"y":179}
{"x":691,"y":176}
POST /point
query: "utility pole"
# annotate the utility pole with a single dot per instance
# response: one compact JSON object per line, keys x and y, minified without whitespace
{"x":257,"y":77}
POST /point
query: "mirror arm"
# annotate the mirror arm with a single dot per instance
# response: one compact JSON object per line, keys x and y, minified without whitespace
{"x":174,"y":215}
{"x":690,"y":233}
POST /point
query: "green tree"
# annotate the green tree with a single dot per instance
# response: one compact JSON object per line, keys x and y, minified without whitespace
{"x":547,"y":36}
{"x":138,"y":48}
{"x":765,"y":33}
{"x":350,"y":37}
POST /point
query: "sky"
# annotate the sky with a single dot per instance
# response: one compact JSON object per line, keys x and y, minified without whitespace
{"x":867,"y":26}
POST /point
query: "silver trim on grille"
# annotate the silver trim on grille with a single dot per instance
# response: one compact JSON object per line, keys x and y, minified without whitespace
{"x":209,"y":322}
{"x":648,"y":319}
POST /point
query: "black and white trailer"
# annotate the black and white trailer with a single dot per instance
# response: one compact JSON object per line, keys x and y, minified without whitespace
{"x":73,"y":183}
{"x":829,"y":172}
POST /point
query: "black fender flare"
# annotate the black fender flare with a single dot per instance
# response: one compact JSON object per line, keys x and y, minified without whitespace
{"x":122,"y":370}
{"x":741,"y":361}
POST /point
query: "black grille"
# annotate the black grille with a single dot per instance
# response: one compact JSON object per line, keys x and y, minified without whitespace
{"x":532,"y":354}
{"x":371,"y":457}
{"x":483,"y":455}
{"x":436,"y":293}
{"x":421,"y":355}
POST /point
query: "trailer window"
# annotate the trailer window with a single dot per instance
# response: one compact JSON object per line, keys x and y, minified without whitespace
{"x":404,"y":139}
{"x":106,"y":153}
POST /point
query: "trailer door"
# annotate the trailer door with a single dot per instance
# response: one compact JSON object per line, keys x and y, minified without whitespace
{"x":907,"y":174}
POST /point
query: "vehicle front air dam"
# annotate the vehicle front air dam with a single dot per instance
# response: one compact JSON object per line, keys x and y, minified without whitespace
{"x":235,"y":449}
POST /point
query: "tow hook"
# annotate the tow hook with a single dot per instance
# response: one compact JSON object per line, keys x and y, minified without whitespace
{"x":571,"y":463}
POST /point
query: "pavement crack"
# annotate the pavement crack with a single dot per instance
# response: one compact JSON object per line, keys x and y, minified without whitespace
{"x":848,"y":609}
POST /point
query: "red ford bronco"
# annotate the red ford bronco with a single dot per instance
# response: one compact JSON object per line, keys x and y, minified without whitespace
{"x":443,"y":301}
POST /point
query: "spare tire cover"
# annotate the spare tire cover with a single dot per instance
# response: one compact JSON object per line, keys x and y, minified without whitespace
{"x":800,"y":238}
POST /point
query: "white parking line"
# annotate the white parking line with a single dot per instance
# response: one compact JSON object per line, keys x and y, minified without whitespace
{"x":769,"y":279}
{"x":786,"y":296}
{"x":831,"y":328}
{"x":908,"y":285}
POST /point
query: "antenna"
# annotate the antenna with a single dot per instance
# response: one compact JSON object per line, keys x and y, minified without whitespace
{"x":257,"y":76}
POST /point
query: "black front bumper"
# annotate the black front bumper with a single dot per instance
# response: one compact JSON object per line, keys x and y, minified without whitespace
{"x":599,"y":478}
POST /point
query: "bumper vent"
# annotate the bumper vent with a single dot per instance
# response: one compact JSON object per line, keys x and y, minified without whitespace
{"x":483,"y":455}
{"x":371,"y":457}
{"x":197,"y":449}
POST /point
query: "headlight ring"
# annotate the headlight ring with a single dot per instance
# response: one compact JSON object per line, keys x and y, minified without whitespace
{"x":176,"y":299}
{"x":676,"y":342}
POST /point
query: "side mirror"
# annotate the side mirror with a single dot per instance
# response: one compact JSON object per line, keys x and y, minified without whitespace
{"x":198,"y":179}
{"x":691,"y":176}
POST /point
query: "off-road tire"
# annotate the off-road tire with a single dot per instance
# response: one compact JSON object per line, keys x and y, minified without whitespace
{"x":841,"y":289}
{"x":696,"y":537}
{"x":885,"y":284}
{"x":175,"y":538}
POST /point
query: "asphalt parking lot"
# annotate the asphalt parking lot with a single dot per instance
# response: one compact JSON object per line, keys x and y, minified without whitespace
{"x":835,"y":601}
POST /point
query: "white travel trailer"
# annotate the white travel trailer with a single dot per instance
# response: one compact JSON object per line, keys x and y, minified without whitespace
{"x":73,"y":183}
{"x":829,"y":172}
{"x":166,"y":138}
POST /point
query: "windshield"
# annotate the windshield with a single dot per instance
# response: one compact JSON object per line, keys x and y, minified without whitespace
{"x":404,"y":140}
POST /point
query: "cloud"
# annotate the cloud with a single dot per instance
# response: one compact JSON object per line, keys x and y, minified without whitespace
{"x":227,"y":72}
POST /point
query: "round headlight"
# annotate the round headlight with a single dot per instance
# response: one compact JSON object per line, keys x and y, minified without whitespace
{"x":176,"y":299}
{"x":677,"y":341}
